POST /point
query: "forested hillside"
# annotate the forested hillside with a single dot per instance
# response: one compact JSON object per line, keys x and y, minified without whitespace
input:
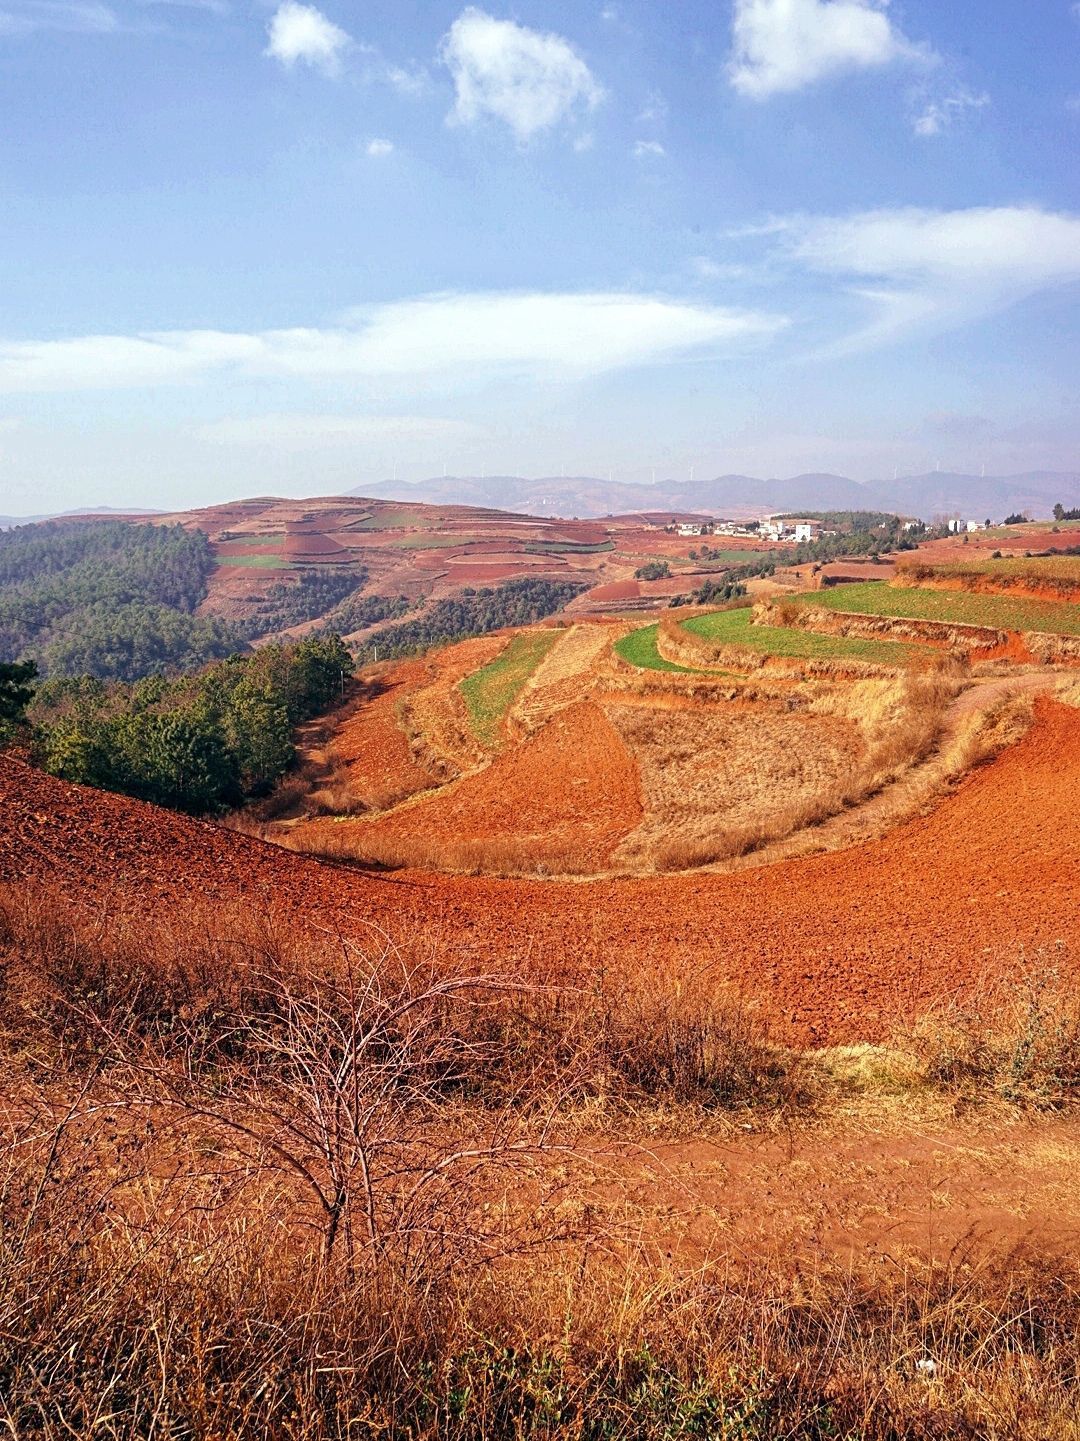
{"x":198,"y":742}
{"x":475,"y":612}
{"x":107,"y":599}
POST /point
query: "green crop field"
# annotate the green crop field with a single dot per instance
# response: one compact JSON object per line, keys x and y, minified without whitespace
{"x":723,"y":559}
{"x":733,"y":627}
{"x":256,"y":562}
{"x":272,"y":537}
{"x":567,"y":547}
{"x":955,"y":607}
{"x":434,"y":541}
{"x":640,"y":649}
{"x":490,"y":691}
{"x":394,"y":520}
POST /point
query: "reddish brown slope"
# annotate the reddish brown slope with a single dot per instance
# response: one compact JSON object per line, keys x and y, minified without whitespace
{"x":837,"y":946}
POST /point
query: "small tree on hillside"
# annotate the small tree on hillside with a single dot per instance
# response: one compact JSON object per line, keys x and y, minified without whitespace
{"x":16,"y":693}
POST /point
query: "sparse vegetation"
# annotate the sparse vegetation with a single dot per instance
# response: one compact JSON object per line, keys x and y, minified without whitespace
{"x":189,"y":1243}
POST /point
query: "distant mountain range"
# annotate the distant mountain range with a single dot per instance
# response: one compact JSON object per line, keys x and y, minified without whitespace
{"x":939,"y":493}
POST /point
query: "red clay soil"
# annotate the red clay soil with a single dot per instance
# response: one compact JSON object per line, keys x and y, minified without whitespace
{"x":373,"y":745}
{"x":616,"y":590}
{"x":570,"y":790}
{"x":836,"y":947}
{"x":304,"y":545}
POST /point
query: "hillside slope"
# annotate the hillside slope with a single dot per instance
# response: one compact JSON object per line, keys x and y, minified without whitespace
{"x":836,"y":946}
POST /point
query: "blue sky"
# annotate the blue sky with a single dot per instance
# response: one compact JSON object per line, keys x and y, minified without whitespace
{"x":251,"y":248}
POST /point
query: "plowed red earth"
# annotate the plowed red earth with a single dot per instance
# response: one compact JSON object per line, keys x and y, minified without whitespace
{"x":616,"y":590}
{"x":373,"y":745}
{"x":570,"y":791}
{"x":841,"y":946}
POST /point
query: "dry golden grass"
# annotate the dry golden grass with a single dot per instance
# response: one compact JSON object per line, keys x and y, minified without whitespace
{"x":723,"y":782}
{"x":211,"y":1149}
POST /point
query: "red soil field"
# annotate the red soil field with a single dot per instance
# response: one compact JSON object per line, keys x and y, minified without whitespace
{"x":306,"y":545}
{"x":223,"y":550}
{"x":572,"y":788}
{"x":373,"y":745}
{"x":616,"y":590}
{"x":836,"y":947}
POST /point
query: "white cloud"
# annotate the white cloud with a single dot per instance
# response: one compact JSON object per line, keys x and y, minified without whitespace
{"x":648,"y":149}
{"x":585,"y":142}
{"x":940,"y":114}
{"x":529,"y":80}
{"x":377,"y":149}
{"x":785,"y":45}
{"x":302,"y":33}
{"x":332,"y":432}
{"x":931,"y":268}
{"x":534,"y":336}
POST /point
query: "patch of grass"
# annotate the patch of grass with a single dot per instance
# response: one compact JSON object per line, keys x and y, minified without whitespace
{"x":434,"y":541}
{"x":490,"y":691}
{"x":733,"y":627}
{"x":719,"y":559}
{"x":640,"y":649}
{"x":951,"y":607}
{"x":567,"y":547}
{"x":256,"y":562}
{"x":394,"y":520}
{"x":276,"y":537}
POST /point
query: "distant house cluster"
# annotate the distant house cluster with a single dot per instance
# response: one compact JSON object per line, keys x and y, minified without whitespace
{"x":962,"y":527}
{"x":800,"y":531}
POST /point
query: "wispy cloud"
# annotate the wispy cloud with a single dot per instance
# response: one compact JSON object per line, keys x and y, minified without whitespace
{"x":81,"y":17}
{"x":938,"y":115}
{"x":528,"y":80}
{"x":785,"y":45}
{"x":934,"y":268}
{"x":648,"y":150}
{"x":379,"y":149}
{"x":531,"y":336}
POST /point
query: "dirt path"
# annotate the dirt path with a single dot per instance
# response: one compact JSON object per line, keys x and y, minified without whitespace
{"x":984,"y":693}
{"x":866,"y":1188}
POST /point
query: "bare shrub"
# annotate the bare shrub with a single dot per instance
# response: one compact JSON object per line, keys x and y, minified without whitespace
{"x":1019,"y":1042}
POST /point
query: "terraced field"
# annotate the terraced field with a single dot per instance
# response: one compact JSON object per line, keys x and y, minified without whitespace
{"x":733,"y":627}
{"x":1001,"y":612}
{"x":491,"y":691}
{"x":1018,"y":567}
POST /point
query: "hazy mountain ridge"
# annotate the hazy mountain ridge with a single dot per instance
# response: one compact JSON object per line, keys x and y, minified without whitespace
{"x":924,"y":496}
